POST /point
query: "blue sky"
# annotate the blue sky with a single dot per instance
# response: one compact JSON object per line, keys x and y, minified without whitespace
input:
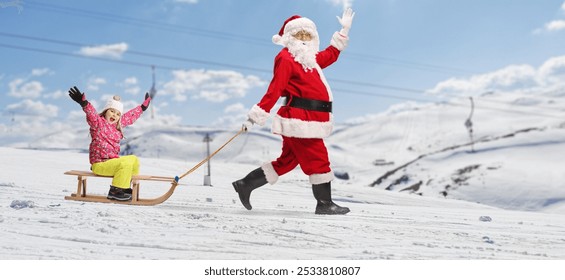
{"x":213,"y":58}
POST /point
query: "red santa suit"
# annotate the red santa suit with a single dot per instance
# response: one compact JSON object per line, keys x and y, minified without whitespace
{"x":302,"y":129}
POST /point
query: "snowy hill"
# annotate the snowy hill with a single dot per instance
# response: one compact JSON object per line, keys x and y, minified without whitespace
{"x":514,"y":162}
{"x":417,"y":188}
{"x":202,"y":222}
{"x":423,"y":149}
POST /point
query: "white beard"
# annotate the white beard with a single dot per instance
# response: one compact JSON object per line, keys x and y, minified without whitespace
{"x":304,"y":52}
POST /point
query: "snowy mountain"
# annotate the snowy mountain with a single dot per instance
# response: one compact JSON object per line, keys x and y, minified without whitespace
{"x":416,"y":185}
{"x":511,"y":162}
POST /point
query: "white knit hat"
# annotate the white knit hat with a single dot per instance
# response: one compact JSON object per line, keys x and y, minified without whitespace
{"x":292,"y":25}
{"x":115,"y":104}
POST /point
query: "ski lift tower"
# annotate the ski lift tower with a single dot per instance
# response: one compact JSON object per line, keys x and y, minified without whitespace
{"x":208,"y":178}
{"x":153,"y":91}
{"x":469,"y":125}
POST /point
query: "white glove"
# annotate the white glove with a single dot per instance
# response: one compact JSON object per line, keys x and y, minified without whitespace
{"x":247,"y":124}
{"x":346,"y":20}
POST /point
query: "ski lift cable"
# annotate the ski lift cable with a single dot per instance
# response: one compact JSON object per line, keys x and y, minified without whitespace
{"x":223,"y":35}
{"x":133,"y":63}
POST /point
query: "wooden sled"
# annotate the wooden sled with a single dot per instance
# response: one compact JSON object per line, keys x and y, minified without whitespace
{"x":81,"y":195}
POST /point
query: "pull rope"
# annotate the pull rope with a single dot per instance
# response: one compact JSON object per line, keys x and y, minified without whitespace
{"x":177,"y":178}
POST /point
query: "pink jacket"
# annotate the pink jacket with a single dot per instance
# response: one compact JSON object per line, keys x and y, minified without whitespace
{"x":105,"y":136}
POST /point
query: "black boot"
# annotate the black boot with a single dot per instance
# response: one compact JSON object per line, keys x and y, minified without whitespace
{"x":325,"y":206}
{"x":120,"y":194}
{"x":243,"y":187}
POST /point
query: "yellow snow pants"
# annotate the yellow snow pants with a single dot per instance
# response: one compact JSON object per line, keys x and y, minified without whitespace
{"x":121,"y":169}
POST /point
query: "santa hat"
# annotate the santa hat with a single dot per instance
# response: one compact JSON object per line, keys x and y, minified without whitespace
{"x":292,"y":25}
{"x":115,"y":104}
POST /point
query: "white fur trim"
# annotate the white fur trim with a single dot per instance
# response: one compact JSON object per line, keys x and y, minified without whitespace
{"x":270,"y":173}
{"x":298,"y":24}
{"x":325,"y":82}
{"x":302,"y":129}
{"x":316,"y":179}
{"x":339,"y":41}
{"x":258,"y":115}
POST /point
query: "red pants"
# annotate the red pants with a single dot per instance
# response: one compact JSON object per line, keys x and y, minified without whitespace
{"x":310,"y":153}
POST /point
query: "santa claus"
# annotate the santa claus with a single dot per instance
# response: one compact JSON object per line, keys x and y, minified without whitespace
{"x":306,"y":116}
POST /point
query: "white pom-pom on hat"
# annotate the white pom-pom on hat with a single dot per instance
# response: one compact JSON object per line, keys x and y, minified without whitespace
{"x":277,"y":39}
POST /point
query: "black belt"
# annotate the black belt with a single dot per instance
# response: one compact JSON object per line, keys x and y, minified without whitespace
{"x":310,"y":104}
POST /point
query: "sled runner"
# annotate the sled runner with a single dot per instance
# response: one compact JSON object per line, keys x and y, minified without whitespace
{"x":81,"y":194}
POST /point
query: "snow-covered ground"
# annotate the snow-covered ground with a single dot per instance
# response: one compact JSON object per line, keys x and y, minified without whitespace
{"x":202,"y":222}
{"x":417,"y":190}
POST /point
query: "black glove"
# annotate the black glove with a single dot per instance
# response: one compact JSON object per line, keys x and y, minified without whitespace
{"x":78,"y":96}
{"x":146,"y":102}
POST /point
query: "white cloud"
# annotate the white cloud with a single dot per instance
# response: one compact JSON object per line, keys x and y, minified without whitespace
{"x":235,"y":108}
{"x":234,"y":116}
{"x":94,"y":83}
{"x":21,"y":89}
{"x":555,"y":25}
{"x":76,"y":117}
{"x":552,"y":26}
{"x":30,"y":108}
{"x":344,"y":3}
{"x":40,"y":72}
{"x":130,"y":86}
{"x":187,"y":1}
{"x":55,"y":95}
{"x":213,"y":86}
{"x":111,"y":51}
{"x":133,"y":90}
{"x":549,"y":75}
{"x":552,"y":72}
{"x":130,"y":81}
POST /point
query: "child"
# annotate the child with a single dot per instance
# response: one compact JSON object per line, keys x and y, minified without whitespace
{"x":106,"y":133}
